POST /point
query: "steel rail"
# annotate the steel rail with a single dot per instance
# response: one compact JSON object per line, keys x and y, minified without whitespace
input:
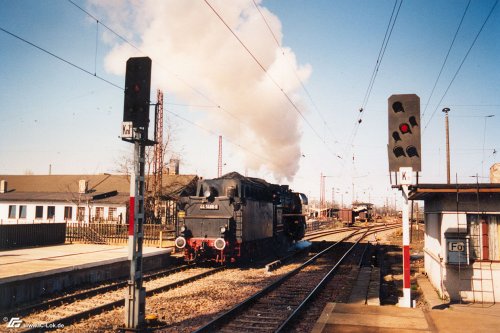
{"x":87,"y":293}
{"x":318,"y":287}
{"x":121,"y":302}
{"x":222,"y":319}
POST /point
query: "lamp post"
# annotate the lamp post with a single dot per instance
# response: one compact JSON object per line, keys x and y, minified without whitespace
{"x":446,"y":110}
{"x":484,"y":141}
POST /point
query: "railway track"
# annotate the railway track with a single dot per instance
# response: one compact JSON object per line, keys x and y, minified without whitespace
{"x":273,"y":308}
{"x":72,"y":308}
{"x":81,"y":294}
{"x":322,"y":233}
{"x":318,"y":234}
{"x":69,"y":309}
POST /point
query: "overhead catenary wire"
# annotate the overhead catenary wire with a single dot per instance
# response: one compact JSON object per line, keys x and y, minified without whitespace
{"x":287,"y":97}
{"x":216,"y":105}
{"x":190,"y":86}
{"x":446,"y":59}
{"x":461,"y":64}
{"x":383,"y":47}
{"x":113,"y":84}
{"x":378,"y":62}
{"x":295,"y":73}
{"x":229,"y":140}
{"x":60,"y":58}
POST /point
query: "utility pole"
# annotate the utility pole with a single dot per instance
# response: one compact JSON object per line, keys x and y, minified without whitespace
{"x":446,"y":110}
{"x":484,"y":140}
{"x":321,"y":192}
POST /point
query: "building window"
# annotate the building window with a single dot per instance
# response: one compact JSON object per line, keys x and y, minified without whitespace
{"x":112,"y":213}
{"x":22,"y":211}
{"x":81,"y":213}
{"x":39,"y":212}
{"x":12,"y":211}
{"x":68,"y":213}
{"x":484,"y":233}
{"x":51,"y":212}
{"x":99,"y":213}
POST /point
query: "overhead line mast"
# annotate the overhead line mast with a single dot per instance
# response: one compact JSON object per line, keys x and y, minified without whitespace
{"x":158,"y":153}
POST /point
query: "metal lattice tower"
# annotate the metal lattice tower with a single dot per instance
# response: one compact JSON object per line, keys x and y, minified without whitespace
{"x":219,"y":169}
{"x":158,"y":147}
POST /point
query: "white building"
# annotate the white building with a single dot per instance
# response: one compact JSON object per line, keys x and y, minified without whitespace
{"x":462,"y":239}
{"x":73,"y":198}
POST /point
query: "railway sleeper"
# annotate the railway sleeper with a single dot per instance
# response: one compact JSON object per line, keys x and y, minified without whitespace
{"x":258,"y":320}
{"x":234,"y":327}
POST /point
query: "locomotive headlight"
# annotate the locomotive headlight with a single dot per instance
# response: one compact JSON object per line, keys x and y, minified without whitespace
{"x":222,"y":230}
{"x":220,"y":244}
{"x":180,"y":242}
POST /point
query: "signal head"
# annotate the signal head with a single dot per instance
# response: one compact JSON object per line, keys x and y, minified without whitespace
{"x":405,"y":128}
{"x":398,"y":107}
{"x":398,"y":151}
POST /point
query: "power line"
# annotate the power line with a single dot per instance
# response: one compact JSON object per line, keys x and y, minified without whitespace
{"x":268,"y":75}
{"x":461,"y":64}
{"x":213,"y":133}
{"x":60,"y":58}
{"x":158,"y":63}
{"x":446,"y":58}
{"x":383,"y":48}
{"x":216,"y":105}
{"x":295,"y":72}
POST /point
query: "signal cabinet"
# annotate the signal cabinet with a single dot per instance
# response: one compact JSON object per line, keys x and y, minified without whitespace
{"x":457,"y":248}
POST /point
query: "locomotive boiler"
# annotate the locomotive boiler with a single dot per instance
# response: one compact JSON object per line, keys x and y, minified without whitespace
{"x":235,"y":217}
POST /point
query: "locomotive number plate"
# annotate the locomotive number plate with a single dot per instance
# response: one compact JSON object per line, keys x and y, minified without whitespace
{"x":209,"y":206}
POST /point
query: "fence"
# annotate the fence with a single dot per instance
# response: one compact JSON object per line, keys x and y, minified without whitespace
{"x":23,"y":235}
{"x":112,"y":233}
{"x":313,"y":225}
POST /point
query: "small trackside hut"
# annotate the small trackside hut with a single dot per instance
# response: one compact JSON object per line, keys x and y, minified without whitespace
{"x":462,"y":240}
{"x":235,"y":217}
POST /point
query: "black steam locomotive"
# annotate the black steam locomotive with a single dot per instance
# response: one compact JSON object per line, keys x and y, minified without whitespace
{"x":235,"y":217}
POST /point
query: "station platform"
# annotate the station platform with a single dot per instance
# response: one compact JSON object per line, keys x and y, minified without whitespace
{"x":338,"y":317}
{"x":30,"y":273}
{"x":438,"y":316}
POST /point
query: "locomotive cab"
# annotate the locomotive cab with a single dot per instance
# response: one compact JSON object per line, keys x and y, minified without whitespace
{"x":294,"y":220}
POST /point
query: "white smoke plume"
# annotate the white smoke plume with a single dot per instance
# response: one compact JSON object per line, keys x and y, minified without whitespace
{"x":187,"y":41}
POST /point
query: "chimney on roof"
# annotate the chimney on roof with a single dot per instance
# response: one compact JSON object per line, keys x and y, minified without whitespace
{"x":3,"y":186}
{"x":495,"y":173}
{"x":173,"y":166}
{"x":83,"y":186}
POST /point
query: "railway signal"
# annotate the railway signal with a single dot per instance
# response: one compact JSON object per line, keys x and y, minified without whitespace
{"x":135,"y":130}
{"x":404,"y":152}
{"x":404,"y":148}
{"x":137,"y":92}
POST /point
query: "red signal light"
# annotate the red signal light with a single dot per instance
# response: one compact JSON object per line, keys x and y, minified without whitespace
{"x":404,"y":128}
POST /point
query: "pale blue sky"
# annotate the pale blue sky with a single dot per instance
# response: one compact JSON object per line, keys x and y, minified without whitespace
{"x":53,"y":113}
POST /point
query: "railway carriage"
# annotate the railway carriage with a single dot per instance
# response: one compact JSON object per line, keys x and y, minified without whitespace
{"x":235,"y":217}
